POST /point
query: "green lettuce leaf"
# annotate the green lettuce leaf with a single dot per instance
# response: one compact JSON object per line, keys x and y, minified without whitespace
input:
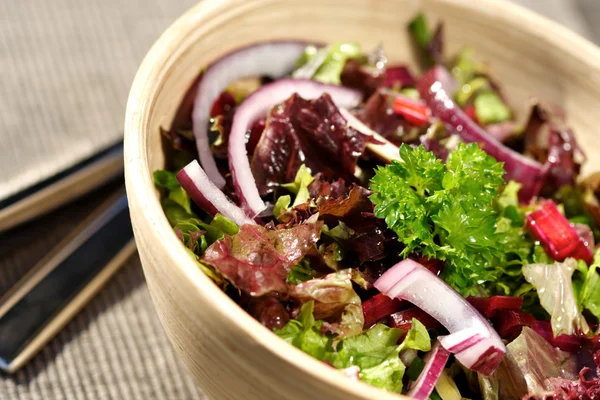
{"x":305,"y":333}
{"x":374,"y":351}
{"x":555,"y":291}
{"x":327,"y":63}
{"x":301,"y":272}
{"x":334,"y":297}
{"x":225,"y":225}
{"x":465,"y":67}
{"x":165,"y":179}
{"x":490,"y":109}
{"x":588,"y":288}
{"x":175,"y":201}
{"x":281,"y":205}
{"x":417,"y":337}
{"x":299,"y":187}
{"x":468,"y":90}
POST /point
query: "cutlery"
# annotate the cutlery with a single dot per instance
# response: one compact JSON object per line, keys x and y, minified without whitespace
{"x":65,"y":186}
{"x":41,"y":303}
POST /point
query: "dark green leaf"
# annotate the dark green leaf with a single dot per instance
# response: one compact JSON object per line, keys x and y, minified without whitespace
{"x":420,"y":30}
{"x":175,"y":212}
{"x":301,"y":272}
{"x":165,"y":179}
{"x":375,"y":351}
{"x":415,"y":369}
{"x":225,"y":225}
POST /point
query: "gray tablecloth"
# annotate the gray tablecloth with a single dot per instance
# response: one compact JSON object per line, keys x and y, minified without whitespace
{"x":65,"y":71}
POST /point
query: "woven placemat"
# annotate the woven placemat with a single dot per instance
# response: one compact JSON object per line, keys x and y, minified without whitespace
{"x":65,"y":71}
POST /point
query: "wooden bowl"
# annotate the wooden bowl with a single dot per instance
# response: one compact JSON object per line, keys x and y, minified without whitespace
{"x":230,"y":354}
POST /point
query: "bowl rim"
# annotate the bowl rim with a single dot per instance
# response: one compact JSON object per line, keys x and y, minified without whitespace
{"x":141,"y":192}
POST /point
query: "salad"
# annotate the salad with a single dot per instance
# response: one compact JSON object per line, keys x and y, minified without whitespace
{"x":404,"y":227}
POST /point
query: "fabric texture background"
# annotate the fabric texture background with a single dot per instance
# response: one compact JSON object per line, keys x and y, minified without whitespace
{"x":65,"y":71}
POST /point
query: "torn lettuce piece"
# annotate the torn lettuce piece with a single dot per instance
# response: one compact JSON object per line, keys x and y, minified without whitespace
{"x":175,"y":201}
{"x":333,"y":296}
{"x":470,"y":89}
{"x":212,"y":273}
{"x":224,"y":224}
{"x":301,"y":272}
{"x":304,"y":332}
{"x":465,"y":67}
{"x":490,"y":109}
{"x":417,"y":337}
{"x":299,"y":186}
{"x":175,"y":212}
{"x":326,"y":64}
{"x":375,"y":352}
{"x":257,"y":260}
{"x":588,"y":288}
{"x":555,"y":291}
{"x":282,"y":205}
{"x":529,"y":363}
{"x":215,"y":230}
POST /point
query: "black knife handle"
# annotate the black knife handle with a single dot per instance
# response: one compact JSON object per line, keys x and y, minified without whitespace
{"x":43,"y":301}
{"x":67,"y":185}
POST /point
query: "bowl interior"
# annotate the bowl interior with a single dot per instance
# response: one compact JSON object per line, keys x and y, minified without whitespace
{"x":529,"y":56}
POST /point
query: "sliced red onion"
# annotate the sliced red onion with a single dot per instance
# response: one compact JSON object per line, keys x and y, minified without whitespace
{"x":472,"y":339}
{"x":207,"y":196}
{"x":384,"y":150}
{"x":257,"y":105}
{"x":435,"y":361}
{"x":433,"y":87}
{"x":274,"y":59}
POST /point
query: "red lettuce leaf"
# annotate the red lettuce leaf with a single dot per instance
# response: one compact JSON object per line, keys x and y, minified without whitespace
{"x":582,"y":389}
{"x":311,"y":132}
{"x":269,"y":311}
{"x":356,"y":202}
{"x":365,"y":78}
{"x":257,"y":260}
{"x":549,"y":140}
{"x":369,"y":239}
{"x":179,"y":141}
{"x":378,"y":115}
{"x":322,"y":187}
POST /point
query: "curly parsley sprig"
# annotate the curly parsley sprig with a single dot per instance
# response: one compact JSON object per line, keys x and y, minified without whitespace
{"x":445,"y":211}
